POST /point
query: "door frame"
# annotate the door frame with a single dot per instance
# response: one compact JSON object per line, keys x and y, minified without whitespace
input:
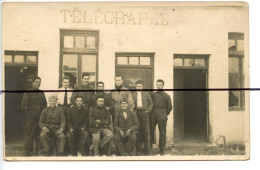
{"x":206,"y":57}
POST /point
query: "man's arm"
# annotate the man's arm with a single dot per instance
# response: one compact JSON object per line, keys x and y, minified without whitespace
{"x":91,"y":117}
{"x":107,"y":121}
{"x":44,"y":102}
{"x":86,"y":120}
{"x":42,"y":120}
{"x":25,"y":101}
{"x":130,"y":100}
{"x":69,"y":115}
{"x":135,"y":126}
{"x":62,"y":119}
{"x":168,"y":104}
{"x":150,"y":103}
{"x":116,"y":123}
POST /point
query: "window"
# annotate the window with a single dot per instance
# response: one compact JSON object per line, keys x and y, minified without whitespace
{"x":18,"y":58}
{"x":194,"y":61}
{"x":135,"y":59}
{"x":79,"y":51}
{"x":235,"y":71}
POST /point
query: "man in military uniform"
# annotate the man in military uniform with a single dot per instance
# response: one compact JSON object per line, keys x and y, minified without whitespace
{"x":119,"y":94}
{"x":144,"y":105}
{"x":32,"y":104}
{"x":77,"y":127}
{"x":162,"y":106}
{"x":85,"y":94}
{"x":126,"y":127}
{"x":52,"y":123}
{"x":99,"y":121}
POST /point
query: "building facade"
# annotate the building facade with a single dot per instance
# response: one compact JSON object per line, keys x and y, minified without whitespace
{"x":188,"y":46}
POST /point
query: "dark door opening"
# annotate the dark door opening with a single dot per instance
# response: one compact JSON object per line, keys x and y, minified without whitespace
{"x":17,"y":78}
{"x":190,"y":114}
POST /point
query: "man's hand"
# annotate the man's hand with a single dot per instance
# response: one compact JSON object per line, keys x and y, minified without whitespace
{"x":128,"y":132}
{"x":97,"y":121}
{"x":82,"y":130}
{"x":107,"y":108}
{"x":46,"y":130}
{"x":122,"y":133}
{"x":59,"y":131}
{"x":71,"y":131}
{"x":71,"y":105}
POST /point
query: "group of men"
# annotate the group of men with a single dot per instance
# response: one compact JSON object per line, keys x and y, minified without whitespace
{"x":128,"y":118}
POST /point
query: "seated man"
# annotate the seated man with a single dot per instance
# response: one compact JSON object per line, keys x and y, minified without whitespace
{"x":126,"y":126}
{"x":99,"y":121}
{"x":52,"y":123}
{"x":77,"y":125}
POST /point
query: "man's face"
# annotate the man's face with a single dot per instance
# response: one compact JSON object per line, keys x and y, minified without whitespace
{"x":36,"y":84}
{"x":124,"y":105}
{"x":100,"y":86}
{"x":100,"y":102}
{"x":85,"y":80}
{"x":65,"y":83}
{"x":53,"y":102}
{"x":79,"y":102}
{"x":118,"y":81}
{"x":159,"y":85}
{"x":139,"y":87}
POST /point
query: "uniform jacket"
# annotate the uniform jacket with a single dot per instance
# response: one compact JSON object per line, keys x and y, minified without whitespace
{"x":77,"y":118}
{"x":61,"y":95}
{"x":131,"y":122}
{"x":98,"y":113}
{"x":33,"y":103}
{"x":52,"y":118}
{"x":85,"y":94}
{"x":107,"y":102}
{"x":147,"y":103}
{"x":162,"y":100}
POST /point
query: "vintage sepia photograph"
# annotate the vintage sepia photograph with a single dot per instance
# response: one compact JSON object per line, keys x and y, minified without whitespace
{"x":125,"y":81}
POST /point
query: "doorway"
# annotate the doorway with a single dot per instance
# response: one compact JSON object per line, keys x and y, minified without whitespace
{"x":190,"y":106}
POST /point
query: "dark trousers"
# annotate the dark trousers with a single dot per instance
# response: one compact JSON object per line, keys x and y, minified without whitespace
{"x":125,"y":146}
{"x":32,"y":132}
{"x":159,"y":116}
{"x":143,"y":135}
{"x":46,"y":140}
{"x":77,"y":141}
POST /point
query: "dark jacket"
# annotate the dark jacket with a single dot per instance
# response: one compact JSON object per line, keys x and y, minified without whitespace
{"x":131,"y":122}
{"x":52,"y":118}
{"x":33,"y":103}
{"x":77,"y":118}
{"x":107,"y":102}
{"x":162,"y":100}
{"x":98,"y":113}
{"x":85,"y":94}
{"x":147,"y":103}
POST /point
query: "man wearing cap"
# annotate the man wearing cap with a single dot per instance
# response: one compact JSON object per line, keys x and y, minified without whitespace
{"x":120,"y":93}
{"x":84,"y":90}
{"x":77,"y":127}
{"x":52,"y":123}
{"x":144,"y":105}
{"x":126,"y":126}
{"x":32,"y":104}
{"x":99,"y":121}
{"x":162,"y":106}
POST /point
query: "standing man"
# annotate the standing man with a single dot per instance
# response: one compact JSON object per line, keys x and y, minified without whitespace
{"x":119,"y":94}
{"x":162,"y":106}
{"x":126,"y":127}
{"x":85,"y":94}
{"x":100,"y":92}
{"x":144,"y":106}
{"x":64,"y":95}
{"x":77,"y":125}
{"x":32,"y":104}
{"x":99,"y":121}
{"x":52,"y":123}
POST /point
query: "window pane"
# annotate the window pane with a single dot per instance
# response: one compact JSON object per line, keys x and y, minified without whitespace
{"x":68,"y":42}
{"x":232,"y":45}
{"x":88,"y":63}
{"x":8,"y":58}
{"x":19,"y":59}
{"x":73,"y":77}
{"x":79,"y":42}
{"x":92,"y":80}
{"x":233,"y":65}
{"x":178,"y":62}
{"x":199,"y":62}
{"x":188,"y":62}
{"x":133,"y":61}
{"x":240,"y":45}
{"x":70,"y":62}
{"x":91,"y":42}
{"x":31,"y":59}
{"x":145,"y":61}
{"x":122,"y":60}
{"x":234,"y":98}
